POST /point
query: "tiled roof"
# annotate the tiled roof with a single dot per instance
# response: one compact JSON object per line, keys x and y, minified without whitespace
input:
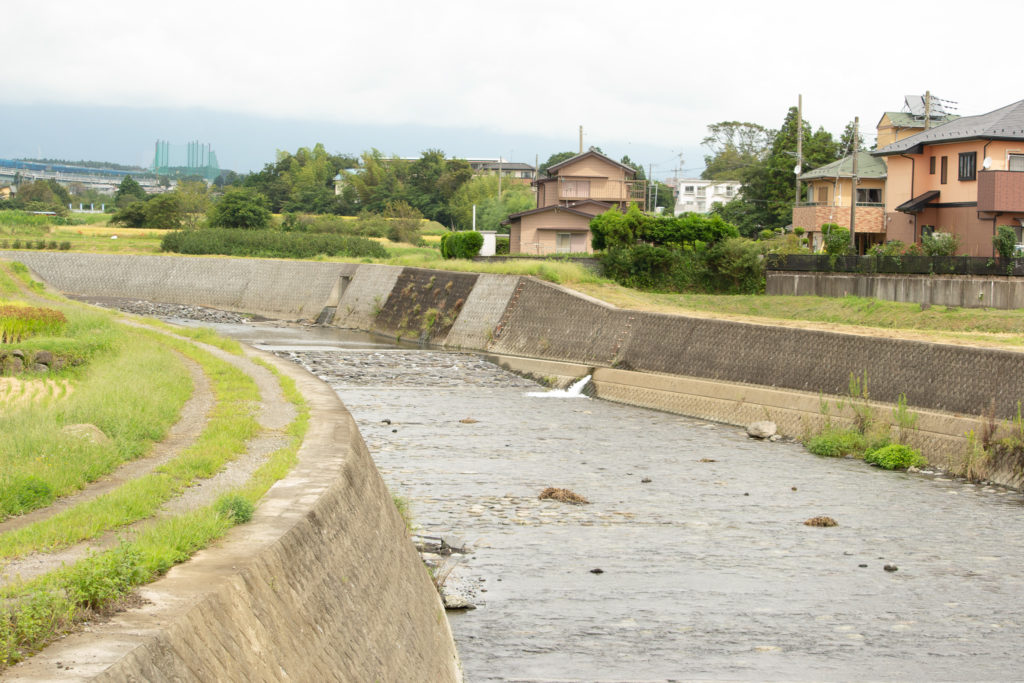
{"x":590,"y":153}
{"x":867,"y":167}
{"x":1006,"y":123}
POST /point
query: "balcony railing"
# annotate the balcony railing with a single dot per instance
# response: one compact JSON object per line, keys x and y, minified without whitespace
{"x":631,"y":191}
{"x":1001,"y":191}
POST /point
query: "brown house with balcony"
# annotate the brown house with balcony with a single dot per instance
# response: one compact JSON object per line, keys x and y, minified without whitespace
{"x":573,"y":192}
{"x":965,"y":177}
{"x":828,"y":194}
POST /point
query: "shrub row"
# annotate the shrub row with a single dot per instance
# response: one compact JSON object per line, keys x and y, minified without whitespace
{"x":269,"y":243}
{"x":34,"y":244}
{"x":733,"y":266}
{"x":464,"y":244}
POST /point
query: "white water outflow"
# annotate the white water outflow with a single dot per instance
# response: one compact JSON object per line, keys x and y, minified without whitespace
{"x":574,"y":391}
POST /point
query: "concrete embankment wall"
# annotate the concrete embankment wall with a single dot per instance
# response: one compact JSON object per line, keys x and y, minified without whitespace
{"x":967,"y":291}
{"x":714,"y":369}
{"x":322,"y":585}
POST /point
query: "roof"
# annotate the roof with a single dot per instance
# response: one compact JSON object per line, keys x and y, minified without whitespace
{"x":902,"y":119}
{"x":505,"y":166}
{"x":591,"y":153}
{"x":917,"y":204}
{"x":553,"y":207}
{"x":867,"y":167}
{"x":1006,"y":123}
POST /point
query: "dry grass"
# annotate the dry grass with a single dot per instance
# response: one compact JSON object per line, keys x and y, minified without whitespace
{"x":19,"y":392}
{"x":821,"y":521}
{"x":562,"y":496}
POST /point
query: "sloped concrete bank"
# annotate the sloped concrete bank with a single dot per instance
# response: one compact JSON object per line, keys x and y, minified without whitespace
{"x":720,"y":370}
{"x":323,"y":584}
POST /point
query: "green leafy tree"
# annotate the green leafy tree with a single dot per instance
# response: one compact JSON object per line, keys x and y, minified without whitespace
{"x":194,"y":201}
{"x":1005,"y":242}
{"x":837,"y":239}
{"x":240,"y":208}
{"x":556,"y":158}
{"x":733,"y":147}
{"x":130,"y":215}
{"x":940,"y":244}
{"x":403,"y":222}
{"x":129,"y":191}
{"x":164,"y":211}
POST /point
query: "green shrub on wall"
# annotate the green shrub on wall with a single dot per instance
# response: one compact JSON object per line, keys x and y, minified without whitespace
{"x":1004,"y":242}
{"x":269,"y":244}
{"x":464,"y":244}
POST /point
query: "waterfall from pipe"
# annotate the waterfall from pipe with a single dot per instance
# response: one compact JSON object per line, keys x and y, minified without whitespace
{"x":574,"y":391}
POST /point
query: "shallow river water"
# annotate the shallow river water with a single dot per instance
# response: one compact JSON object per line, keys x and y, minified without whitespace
{"x":708,"y":572}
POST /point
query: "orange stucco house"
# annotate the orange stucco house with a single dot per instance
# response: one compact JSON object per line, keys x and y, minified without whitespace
{"x":965,"y":176}
{"x":573,"y":192}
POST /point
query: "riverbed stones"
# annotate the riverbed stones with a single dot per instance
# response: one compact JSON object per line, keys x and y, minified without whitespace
{"x":762,"y":429}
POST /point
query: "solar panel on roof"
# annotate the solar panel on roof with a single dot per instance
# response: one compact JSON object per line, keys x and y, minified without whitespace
{"x":915,"y":104}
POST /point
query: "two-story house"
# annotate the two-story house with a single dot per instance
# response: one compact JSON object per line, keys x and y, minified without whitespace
{"x":696,"y":195}
{"x":829,"y":189}
{"x":573,"y":192}
{"x":965,"y":177}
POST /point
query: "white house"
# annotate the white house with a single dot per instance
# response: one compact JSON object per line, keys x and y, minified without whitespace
{"x":697,"y":195}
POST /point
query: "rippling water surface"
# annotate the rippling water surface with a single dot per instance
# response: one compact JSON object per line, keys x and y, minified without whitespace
{"x":708,"y":569}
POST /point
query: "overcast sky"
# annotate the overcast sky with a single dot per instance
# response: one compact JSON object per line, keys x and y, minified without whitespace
{"x":643,"y":78}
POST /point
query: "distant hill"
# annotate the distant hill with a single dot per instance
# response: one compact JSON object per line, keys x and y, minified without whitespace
{"x":89,"y":164}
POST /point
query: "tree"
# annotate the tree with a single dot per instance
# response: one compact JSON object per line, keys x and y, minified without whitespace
{"x":734,"y":146}
{"x":164,"y":211}
{"x":846,"y":141}
{"x":556,"y":158}
{"x":1004,"y":242}
{"x":491,"y":210}
{"x":194,"y":201}
{"x":130,"y":215}
{"x":240,"y":208}
{"x":129,"y":191}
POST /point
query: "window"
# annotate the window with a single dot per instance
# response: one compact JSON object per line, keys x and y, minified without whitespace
{"x":1016,"y":162}
{"x":928,"y":229}
{"x":968,"y":168}
{"x":869,"y":195}
{"x":702,"y":191}
{"x":943,"y":169}
{"x":823,"y":194}
{"x":575,"y":189}
{"x":563,"y":243}
{"x":729,"y":190}
{"x":931,"y":165}
{"x":688,"y":189}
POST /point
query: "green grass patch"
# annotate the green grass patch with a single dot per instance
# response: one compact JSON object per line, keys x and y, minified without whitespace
{"x":18,"y":321}
{"x":836,"y":443}
{"x":895,"y":456}
{"x":270,"y":244}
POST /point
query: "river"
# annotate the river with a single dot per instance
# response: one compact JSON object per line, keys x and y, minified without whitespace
{"x":707,"y":571}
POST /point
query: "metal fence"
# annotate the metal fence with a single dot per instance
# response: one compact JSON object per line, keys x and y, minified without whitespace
{"x":906,"y":265}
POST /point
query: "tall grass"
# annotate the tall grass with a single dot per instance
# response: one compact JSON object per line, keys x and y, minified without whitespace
{"x":18,"y":321}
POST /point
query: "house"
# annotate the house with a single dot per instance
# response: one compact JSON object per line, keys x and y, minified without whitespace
{"x":828,"y":190}
{"x":573,"y":192}
{"x":920,"y":112}
{"x":514,"y":170}
{"x":5,"y":192}
{"x":696,"y":195}
{"x":965,"y":176}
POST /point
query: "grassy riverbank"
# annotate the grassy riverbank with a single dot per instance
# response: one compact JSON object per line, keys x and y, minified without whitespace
{"x":129,"y":384}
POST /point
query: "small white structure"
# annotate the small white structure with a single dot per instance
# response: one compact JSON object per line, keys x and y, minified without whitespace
{"x":696,"y":195}
{"x":489,"y":247}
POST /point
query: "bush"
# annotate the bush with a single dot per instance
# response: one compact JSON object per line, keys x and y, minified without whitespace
{"x":940,"y":244}
{"x":735,"y":266}
{"x":895,"y":457}
{"x":464,"y":244}
{"x":269,"y":244}
{"x":130,"y":215}
{"x":101,"y":579}
{"x":235,"y":507}
{"x":835,"y":443}
{"x":837,"y":239}
{"x":1004,"y":242}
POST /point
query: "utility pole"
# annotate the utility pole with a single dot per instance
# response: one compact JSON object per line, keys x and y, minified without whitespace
{"x":581,"y":139}
{"x":499,"y":177}
{"x":853,"y":184}
{"x":536,"y":165}
{"x":650,"y":187}
{"x":799,"y":143}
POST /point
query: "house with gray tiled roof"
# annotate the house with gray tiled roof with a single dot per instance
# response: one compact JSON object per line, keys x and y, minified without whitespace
{"x":965,"y":176}
{"x":827,"y":199}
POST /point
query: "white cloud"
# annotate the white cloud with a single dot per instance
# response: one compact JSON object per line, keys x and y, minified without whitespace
{"x":648,"y":72}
